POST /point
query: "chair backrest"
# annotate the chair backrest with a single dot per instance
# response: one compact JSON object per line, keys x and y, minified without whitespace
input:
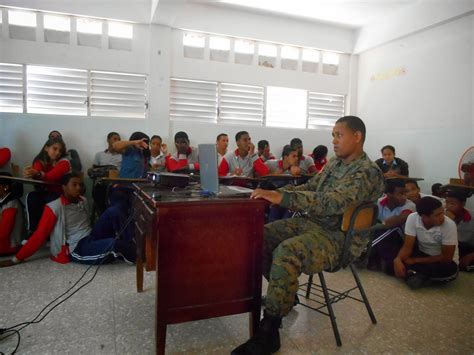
{"x":356,"y":221}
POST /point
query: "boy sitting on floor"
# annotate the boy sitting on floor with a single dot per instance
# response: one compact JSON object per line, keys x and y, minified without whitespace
{"x":428,"y":252}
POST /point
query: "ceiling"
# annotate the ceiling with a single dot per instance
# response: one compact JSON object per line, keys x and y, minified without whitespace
{"x":345,"y":13}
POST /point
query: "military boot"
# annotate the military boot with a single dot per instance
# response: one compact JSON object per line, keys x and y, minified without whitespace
{"x":265,"y":341}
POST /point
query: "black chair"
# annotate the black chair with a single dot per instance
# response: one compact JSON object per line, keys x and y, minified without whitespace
{"x":357,"y":221}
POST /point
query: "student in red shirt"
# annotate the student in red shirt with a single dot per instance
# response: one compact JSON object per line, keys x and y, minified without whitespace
{"x":5,"y":156}
{"x":185,"y":158}
{"x":319,"y":156}
{"x":50,"y":165}
{"x":11,"y":215}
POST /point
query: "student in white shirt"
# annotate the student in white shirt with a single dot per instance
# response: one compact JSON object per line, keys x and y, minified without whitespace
{"x":158,"y":152}
{"x":429,"y":252}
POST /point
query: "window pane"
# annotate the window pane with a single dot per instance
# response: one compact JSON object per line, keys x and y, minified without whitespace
{"x":288,"y":52}
{"x":243,"y":46}
{"x":310,"y":55}
{"x":121,"y":30}
{"x":22,"y":18}
{"x":194,"y":40}
{"x":58,"y":23}
{"x":286,"y":107}
{"x":88,"y":25}
{"x":219,"y":43}
{"x":11,"y":87}
{"x":331,"y":58}
{"x":267,"y":50}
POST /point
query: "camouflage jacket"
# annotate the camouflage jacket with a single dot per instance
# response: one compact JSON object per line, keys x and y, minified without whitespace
{"x":326,"y":196}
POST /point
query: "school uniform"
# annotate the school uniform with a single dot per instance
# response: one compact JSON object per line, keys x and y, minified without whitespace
{"x":466,"y":234}
{"x":5,"y":156}
{"x":11,"y":224}
{"x":251,"y":165}
{"x":306,"y":165}
{"x":178,"y":161}
{"x":159,"y":159}
{"x":108,"y":158}
{"x":398,"y":166}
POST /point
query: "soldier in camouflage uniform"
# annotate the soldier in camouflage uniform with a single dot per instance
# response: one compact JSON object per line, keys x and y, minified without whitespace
{"x":313,"y":242}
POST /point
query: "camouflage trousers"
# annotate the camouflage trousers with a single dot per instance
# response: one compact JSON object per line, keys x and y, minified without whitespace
{"x":293,"y":246}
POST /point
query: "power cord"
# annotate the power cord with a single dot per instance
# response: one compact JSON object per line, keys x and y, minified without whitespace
{"x":35,"y":320}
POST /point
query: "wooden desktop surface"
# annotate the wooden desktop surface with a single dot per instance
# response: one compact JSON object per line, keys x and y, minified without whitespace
{"x":28,"y":181}
{"x":206,"y":253}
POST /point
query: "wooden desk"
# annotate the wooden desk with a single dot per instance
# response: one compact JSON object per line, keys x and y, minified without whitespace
{"x":207,"y":253}
{"x":29,"y":181}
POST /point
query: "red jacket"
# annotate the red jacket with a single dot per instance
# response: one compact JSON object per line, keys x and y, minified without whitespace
{"x":53,"y":173}
{"x":11,"y":223}
{"x":5,"y":156}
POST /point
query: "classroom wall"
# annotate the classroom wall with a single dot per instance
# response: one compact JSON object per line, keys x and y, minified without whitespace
{"x":416,"y":93}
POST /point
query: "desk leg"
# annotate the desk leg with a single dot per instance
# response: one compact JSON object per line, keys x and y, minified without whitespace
{"x":160,"y":338}
{"x":139,"y":266}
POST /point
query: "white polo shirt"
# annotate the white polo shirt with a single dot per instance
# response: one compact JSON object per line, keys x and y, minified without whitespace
{"x":431,"y":240}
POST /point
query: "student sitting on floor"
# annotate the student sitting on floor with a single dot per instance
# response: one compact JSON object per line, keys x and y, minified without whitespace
{"x":158,"y":152}
{"x":287,"y":165}
{"x":429,"y":250}
{"x":390,"y":165}
{"x":5,"y":156}
{"x":244,"y":161}
{"x":413,"y":191}
{"x":394,"y":209}
{"x":50,"y":165}
{"x":456,"y":210}
{"x":135,"y":155}
{"x":222,"y":142}
{"x":185,"y":158}
{"x":263,"y":148}
{"x":306,"y":163}
{"x":11,"y":215}
{"x":320,"y":157}
{"x":66,"y":222}
{"x":109,"y":156}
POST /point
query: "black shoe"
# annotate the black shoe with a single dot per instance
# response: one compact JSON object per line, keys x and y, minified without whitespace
{"x":416,"y":280}
{"x":266,"y":340}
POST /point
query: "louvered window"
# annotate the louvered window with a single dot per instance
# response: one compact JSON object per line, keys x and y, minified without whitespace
{"x":241,"y":103}
{"x":193,"y":100}
{"x":58,"y":91}
{"x":118,"y":94}
{"x":324,"y":109}
{"x":11,"y":87}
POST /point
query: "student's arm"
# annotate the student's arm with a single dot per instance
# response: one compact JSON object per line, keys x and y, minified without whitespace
{"x":5,"y":156}
{"x":7,"y":223}
{"x":260,"y":168}
{"x":394,"y":221}
{"x":39,"y":237}
{"x":173,"y":165}
{"x":57,"y":172}
{"x":404,"y":253}
{"x":121,"y":146}
{"x":446,"y":256}
{"x":312,"y":169}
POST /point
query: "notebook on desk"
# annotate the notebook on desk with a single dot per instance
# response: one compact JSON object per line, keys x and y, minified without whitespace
{"x":209,"y":177}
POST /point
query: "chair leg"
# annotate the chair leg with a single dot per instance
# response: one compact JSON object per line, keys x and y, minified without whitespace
{"x":362,"y":293}
{"x":330,"y":310}
{"x":308,"y":287}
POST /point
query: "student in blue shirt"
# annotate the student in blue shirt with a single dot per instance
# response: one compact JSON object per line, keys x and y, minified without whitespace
{"x":135,"y":155}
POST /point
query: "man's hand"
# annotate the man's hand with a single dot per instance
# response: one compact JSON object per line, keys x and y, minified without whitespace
{"x":237,"y":171}
{"x":251,"y":148}
{"x":271,"y":196}
{"x":295,"y":170}
{"x":164,"y":148}
{"x":6,"y":263}
{"x":141,"y":144}
{"x":399,"y":268}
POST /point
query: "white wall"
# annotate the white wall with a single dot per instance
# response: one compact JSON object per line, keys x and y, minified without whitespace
{"x":427,"y":114}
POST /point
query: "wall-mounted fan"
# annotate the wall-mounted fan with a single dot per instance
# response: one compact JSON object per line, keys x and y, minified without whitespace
{"x":466,"y":167}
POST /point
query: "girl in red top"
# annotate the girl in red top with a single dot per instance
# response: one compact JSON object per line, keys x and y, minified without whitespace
{"x":11,"y":215}
{"x":50,"y":165}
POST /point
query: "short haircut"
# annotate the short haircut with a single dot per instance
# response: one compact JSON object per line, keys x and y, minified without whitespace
{"x":427,"y":205}
{"x":111,"y":134}
{"x":320,"y":152}
{"x":66,"y":178}
{"x":296,"y":141}
{"x":240,"y":134}
{"x":355,"y":124}
{"x":262,"y":144}
{"x":435,"y":188}
{"x":459,"y":195}
{"x":181,"y":135}
{"x":391,"y":147}
{"x":157,"y":137}
{"x":219,"y":136}
{"x":392,"y":184}
{"x":287,"y":149}
{"x":411,"y":181}
{"x":138,"y":136}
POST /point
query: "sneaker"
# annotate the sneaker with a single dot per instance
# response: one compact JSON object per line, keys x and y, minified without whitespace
{"x":128,"y":260}
{"x":416,"y":280}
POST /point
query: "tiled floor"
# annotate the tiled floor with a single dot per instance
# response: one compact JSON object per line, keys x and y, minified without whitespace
{"x":109,"y":317}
